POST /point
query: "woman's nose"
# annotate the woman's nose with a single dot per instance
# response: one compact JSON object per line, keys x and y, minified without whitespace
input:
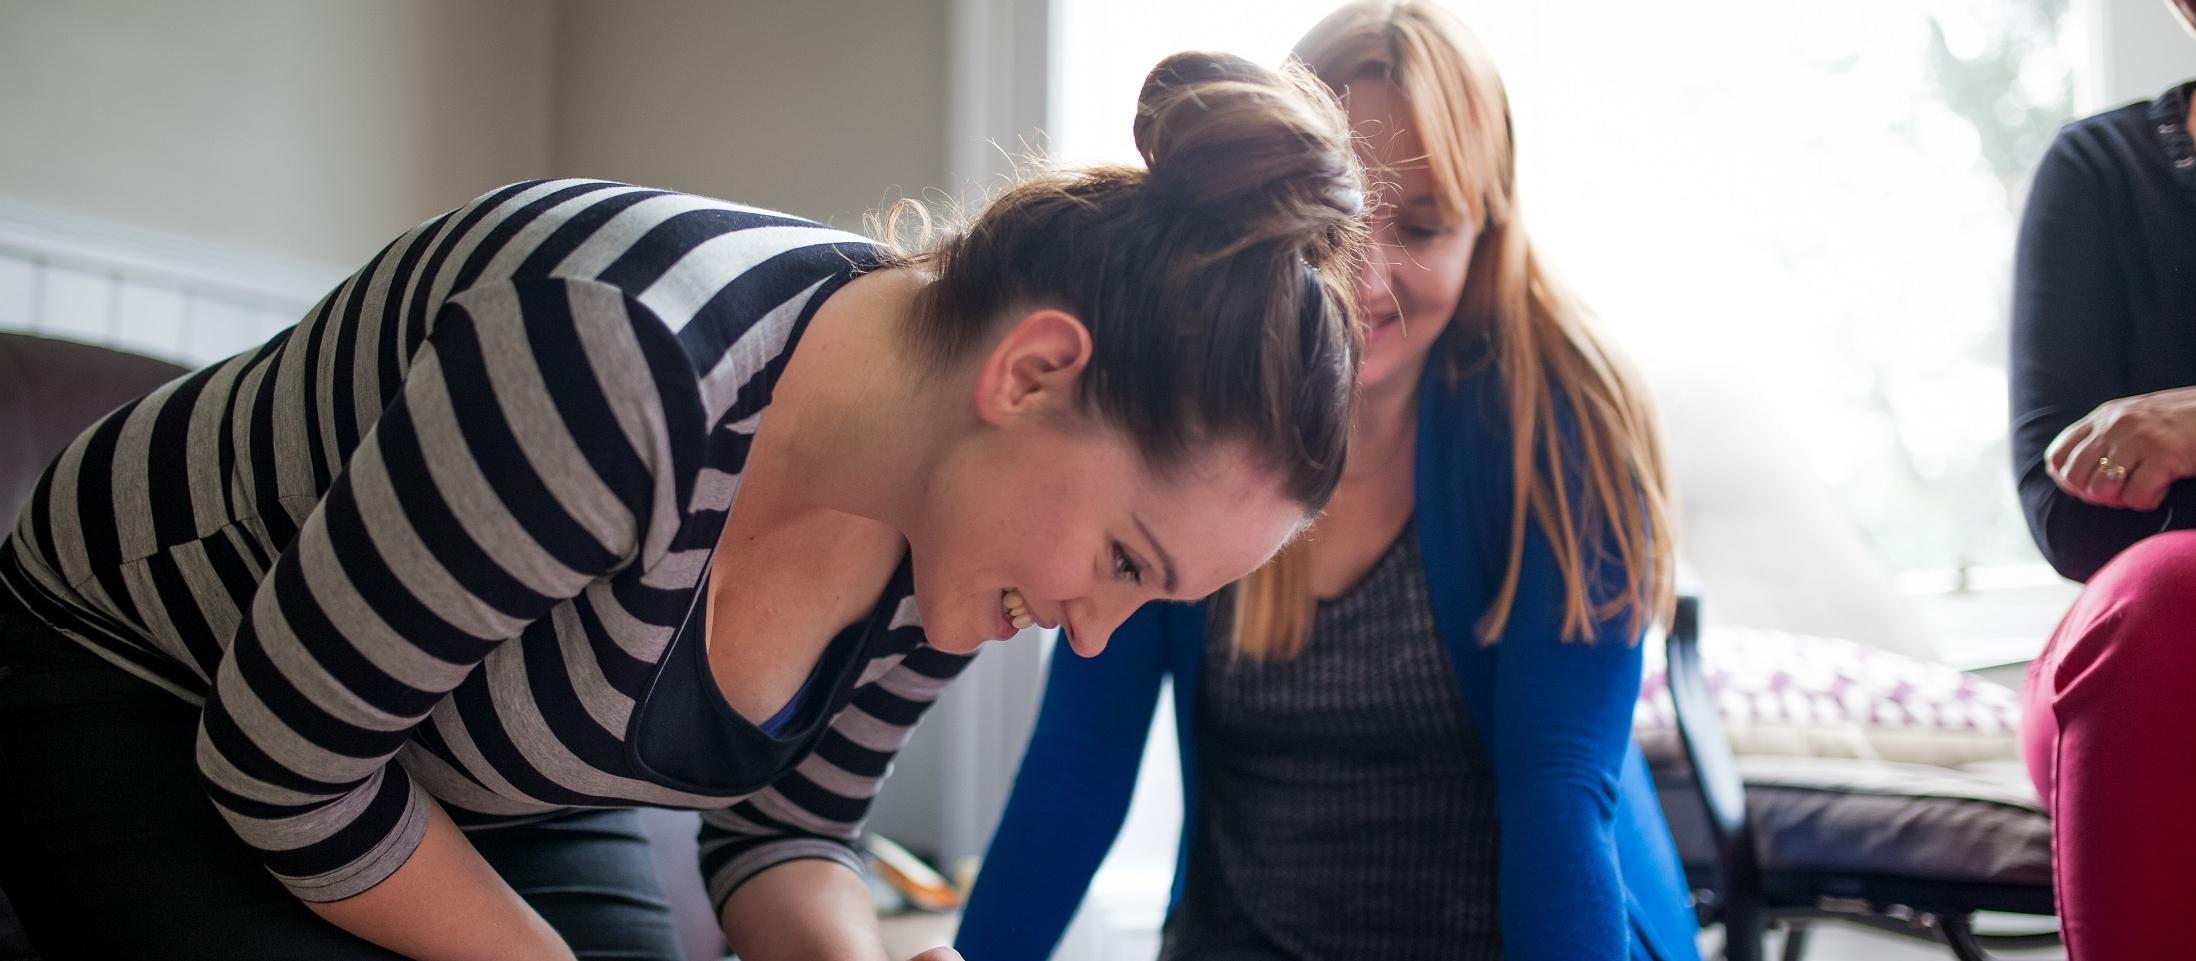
{"x":1090,"y":624}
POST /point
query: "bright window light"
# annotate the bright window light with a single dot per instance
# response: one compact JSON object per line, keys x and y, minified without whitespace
{"x":1820,"y":200}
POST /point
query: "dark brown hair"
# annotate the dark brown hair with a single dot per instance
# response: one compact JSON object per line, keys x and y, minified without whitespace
{"x":1214,"y":281}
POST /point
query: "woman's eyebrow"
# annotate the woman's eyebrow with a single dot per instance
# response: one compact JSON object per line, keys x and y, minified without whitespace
{"x":1166,"y":564}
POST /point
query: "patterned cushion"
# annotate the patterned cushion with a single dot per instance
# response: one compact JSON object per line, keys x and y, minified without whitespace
{"x":1799,"y":696}
{"x":1911,"y":822}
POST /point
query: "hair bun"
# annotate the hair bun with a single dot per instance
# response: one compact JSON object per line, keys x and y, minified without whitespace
{"x":1267,"y":150}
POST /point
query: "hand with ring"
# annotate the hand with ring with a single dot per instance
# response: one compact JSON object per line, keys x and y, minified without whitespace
{"x":2128,"y":452}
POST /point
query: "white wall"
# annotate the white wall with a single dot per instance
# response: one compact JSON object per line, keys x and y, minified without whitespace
{"x":821,"y":108}
{"x":315,"y":130}
{"x":312,"y":130}
{"x":2138,"y":48}
{"x":182,"y":178}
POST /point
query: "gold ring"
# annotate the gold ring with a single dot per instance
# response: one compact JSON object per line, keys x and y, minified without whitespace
{"x":2111,"y":471}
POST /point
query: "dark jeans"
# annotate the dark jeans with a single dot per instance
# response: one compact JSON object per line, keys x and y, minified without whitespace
{"x":109,"y":848}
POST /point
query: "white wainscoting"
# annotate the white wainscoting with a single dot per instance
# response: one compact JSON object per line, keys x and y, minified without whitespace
{"x":165,"y":296}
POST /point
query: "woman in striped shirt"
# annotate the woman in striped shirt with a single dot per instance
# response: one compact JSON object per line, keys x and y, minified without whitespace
{"x":585,"y":496}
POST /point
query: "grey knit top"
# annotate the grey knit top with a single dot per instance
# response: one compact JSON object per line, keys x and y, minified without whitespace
{"x":1348,"y":810}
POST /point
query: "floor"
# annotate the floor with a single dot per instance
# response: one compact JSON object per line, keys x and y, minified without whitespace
{"x":1835,"y":941}
{"x":1832,"y":941}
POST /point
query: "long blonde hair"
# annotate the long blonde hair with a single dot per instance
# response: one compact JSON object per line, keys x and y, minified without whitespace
{"x":1540,"y":340}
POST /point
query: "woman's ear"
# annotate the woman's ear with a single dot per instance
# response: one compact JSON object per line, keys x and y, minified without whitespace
{"x":1033,"y":368}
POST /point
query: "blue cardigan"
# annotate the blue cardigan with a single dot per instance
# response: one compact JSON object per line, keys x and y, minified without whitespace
{"x":1587,"y":871}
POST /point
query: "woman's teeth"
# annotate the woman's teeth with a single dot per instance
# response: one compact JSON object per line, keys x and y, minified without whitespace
{"x":1017,"y":611}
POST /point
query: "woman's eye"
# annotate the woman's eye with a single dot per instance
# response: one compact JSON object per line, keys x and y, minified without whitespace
{"x":1416,"y":232}
{"x":1125,"y":567}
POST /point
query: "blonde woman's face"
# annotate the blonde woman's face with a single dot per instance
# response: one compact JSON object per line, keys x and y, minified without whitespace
{"x":1414,"y":273}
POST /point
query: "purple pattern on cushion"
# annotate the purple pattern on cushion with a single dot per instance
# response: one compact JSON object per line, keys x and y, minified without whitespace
{"x":1760,"y":676}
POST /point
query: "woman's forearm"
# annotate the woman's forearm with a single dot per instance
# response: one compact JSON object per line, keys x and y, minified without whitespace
{"x":807,"y":910}
{"x":446,"y":904}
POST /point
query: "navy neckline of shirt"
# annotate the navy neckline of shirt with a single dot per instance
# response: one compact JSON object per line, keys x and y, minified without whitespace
{"x":685,"y":734}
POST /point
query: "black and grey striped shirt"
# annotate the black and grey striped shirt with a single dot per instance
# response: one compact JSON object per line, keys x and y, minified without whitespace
{"x":439,"y":539}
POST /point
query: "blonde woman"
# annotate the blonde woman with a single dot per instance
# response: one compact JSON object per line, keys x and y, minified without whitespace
{"x":1410,"y":736}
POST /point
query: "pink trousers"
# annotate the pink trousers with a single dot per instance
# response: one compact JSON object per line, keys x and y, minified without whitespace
{"x":2109,"y":733}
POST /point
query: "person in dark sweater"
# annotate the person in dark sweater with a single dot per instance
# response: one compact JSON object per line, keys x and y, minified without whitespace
{"x":1410,"y":740}
{"x":2104,"y":445}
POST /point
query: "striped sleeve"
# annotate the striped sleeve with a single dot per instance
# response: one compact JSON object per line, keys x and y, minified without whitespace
{"x":531,"y":451}
{"x":816,"y":810}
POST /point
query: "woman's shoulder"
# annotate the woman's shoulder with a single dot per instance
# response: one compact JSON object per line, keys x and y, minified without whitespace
{"x":2117,"y":141}
{"x":1464,"y":402}
{"x":1471,"y":417}
{"x":645,"y":240}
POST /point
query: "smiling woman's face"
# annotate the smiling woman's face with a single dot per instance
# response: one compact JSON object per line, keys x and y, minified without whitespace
{"x":1070,"y":519}
{"x":1414,"y":273}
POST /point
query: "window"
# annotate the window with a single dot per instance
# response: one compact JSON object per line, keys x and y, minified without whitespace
{"x":1821,"y":200}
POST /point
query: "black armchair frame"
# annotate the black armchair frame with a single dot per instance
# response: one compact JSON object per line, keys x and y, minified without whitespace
{"x":1747,"y":900}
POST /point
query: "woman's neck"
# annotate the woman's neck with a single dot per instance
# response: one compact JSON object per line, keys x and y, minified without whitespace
{"x":1376,"y":495}
{"x":1382,"y":430}
{"x":852,"y":427}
